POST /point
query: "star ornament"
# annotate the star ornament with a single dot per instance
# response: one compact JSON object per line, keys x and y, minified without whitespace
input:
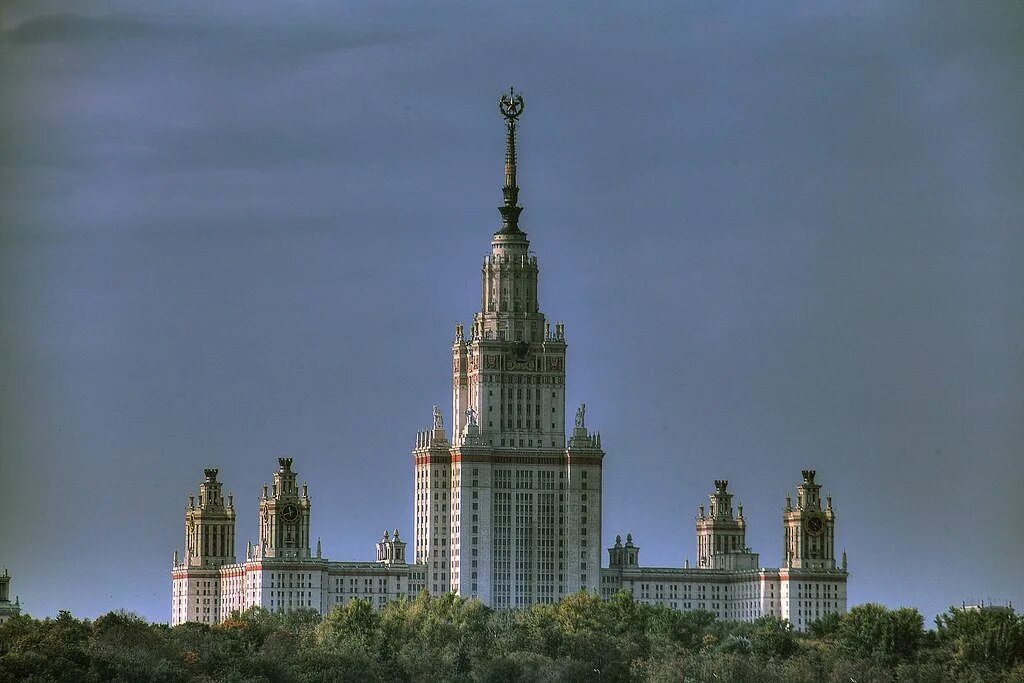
{"x":511,"y":104}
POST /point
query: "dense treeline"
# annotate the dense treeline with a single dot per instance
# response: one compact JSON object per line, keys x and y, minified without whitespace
{"x":580,"y":639}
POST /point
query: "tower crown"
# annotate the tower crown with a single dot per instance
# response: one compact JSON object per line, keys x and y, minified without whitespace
{"x":211,"y":495}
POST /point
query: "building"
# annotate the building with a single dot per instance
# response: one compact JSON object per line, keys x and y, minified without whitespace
{"x":280,"y":572}
{"x":8,"y":609}
{"x":507,"y":509}
{"x":1005,"y":607}
{"x":729,"y":581}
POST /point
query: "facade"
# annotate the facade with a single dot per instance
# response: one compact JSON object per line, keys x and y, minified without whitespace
{"x":8,"y":609}
{"x":507,"y":509}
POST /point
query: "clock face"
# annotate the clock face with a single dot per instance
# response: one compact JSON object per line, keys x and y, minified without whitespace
{"x":289,"y":513}
{"x":521,"y":349}
{"x":815,"y":525}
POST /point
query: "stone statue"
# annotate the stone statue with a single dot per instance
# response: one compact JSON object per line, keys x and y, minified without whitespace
{"x":581,"y":415}
{"x":438,"y":418}
{"x":471,"y":416}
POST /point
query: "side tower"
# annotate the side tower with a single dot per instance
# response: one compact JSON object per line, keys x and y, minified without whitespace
{"x":209,"y":545}
{"x":508,"y":512}
{"x":210,"y":526}
{"x":284,"y":516}
{"x":718,"y":531}
{"x":809,"y":531}
{"x":810,"y":584}
{"x":8,"y":609}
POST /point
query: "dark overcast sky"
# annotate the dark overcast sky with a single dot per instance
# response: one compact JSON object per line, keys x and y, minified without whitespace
{"x":780,"y":238}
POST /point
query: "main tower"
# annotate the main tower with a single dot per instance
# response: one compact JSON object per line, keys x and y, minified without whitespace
{"x":507,"y":510}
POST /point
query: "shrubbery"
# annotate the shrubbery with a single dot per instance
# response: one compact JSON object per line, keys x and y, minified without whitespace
{"x":581,"y":638}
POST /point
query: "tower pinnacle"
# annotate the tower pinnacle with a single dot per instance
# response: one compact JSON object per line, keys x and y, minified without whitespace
{"x":511,"y":106}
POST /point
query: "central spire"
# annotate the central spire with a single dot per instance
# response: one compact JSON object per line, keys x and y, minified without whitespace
{"x":510,"y":105}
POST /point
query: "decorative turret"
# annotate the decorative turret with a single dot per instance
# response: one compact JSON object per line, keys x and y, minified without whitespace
{"x":391,"y":549}
{"x":624,"y":556}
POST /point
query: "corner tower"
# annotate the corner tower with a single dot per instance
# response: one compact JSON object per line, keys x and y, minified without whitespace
{"x":508,"y":511}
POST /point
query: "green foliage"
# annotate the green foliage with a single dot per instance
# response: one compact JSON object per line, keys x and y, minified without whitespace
{"x":871,"y":631}
{"x":992,"y":638}
{"x":581,"y":638}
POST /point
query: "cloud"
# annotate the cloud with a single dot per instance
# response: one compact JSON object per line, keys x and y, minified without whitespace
{"x":77,"y":28}
{"x":305,"y":38}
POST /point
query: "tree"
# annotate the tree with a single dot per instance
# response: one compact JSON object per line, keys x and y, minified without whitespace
{"x":826,"y":627}
{"x":871,"y":631}
{"x":993,"y":638}
{"x":771,"y":637}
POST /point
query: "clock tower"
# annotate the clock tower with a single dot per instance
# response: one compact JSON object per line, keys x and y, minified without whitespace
{"x":284,"y":516}
{"x":809,"y":530}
